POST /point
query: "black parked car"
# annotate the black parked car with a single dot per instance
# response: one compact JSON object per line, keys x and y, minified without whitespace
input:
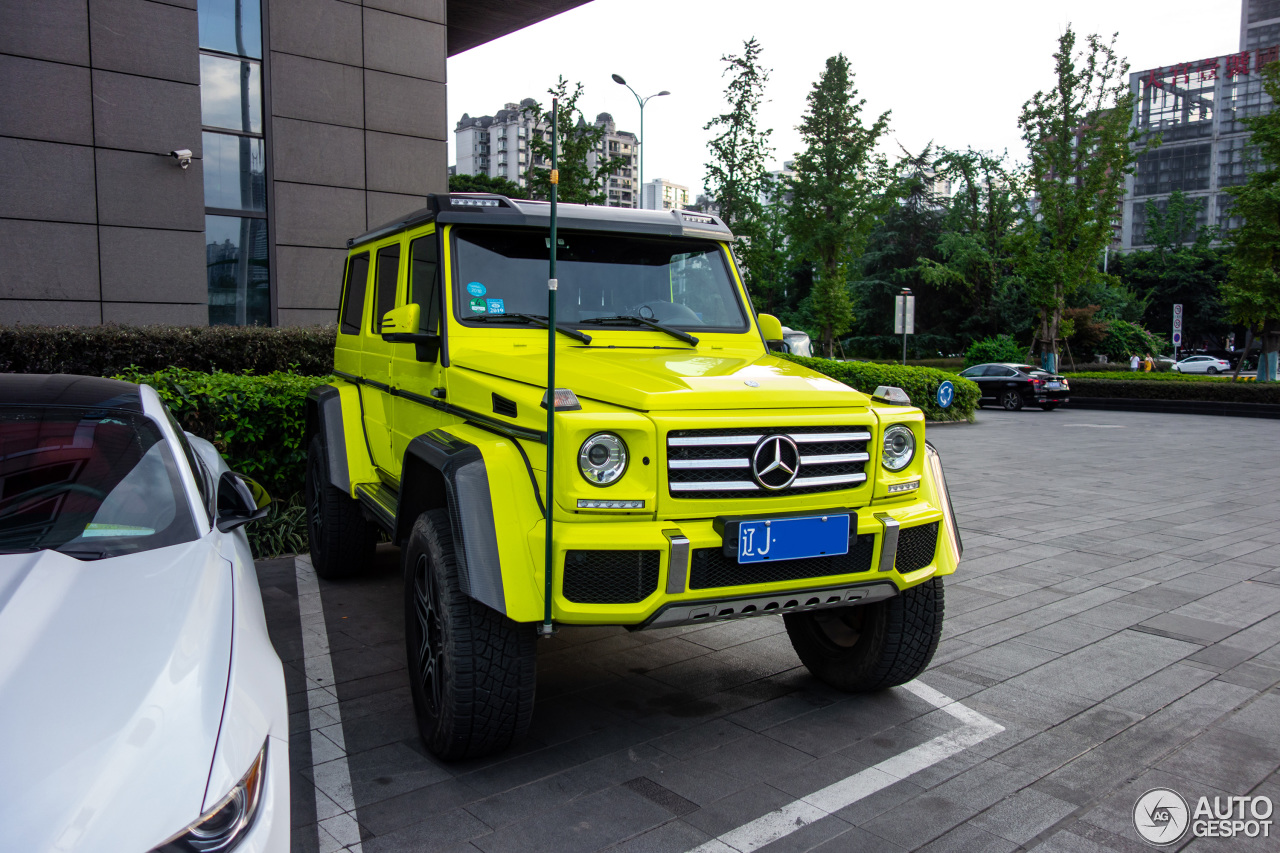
{"x":1016,"y":385}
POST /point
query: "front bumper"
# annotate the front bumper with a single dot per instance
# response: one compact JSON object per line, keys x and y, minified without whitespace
{"x":672,"y":595}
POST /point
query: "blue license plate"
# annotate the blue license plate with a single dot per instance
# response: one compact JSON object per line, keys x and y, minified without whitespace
{"x":793,"y":538}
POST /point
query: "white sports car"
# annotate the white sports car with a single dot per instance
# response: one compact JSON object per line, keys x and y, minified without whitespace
{"x":142,"y":706}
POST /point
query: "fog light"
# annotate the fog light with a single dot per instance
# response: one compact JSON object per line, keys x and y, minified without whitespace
{"x":904,"y":487}
{"x":585,"y":504}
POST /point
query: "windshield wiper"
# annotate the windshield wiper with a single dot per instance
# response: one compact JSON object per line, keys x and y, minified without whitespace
{"x":633,"y":318}
{"x":537,"y":319}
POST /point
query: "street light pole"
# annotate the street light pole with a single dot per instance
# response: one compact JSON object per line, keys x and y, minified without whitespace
{"x":617,"y":78}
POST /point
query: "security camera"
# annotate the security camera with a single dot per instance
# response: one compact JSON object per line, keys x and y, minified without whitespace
{"x":183,"y":156}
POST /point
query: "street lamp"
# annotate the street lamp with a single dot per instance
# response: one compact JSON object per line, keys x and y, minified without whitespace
{"x":617,"y":78}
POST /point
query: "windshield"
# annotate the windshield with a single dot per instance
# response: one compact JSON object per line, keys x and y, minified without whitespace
{"x":91,"y":483}
{"x":680,"y":282}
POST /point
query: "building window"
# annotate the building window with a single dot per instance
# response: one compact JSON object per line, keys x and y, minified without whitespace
{"x":235,"y":179}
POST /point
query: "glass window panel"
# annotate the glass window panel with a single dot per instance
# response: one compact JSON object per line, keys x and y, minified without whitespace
{"x":231,"y":93}
{"x":424,"y":281}
{"x":231,"y":26}
{"x":388,"y":277}
{"x":236,"y":258}
{"x":234,"y":172}
{"x":353,"y":294}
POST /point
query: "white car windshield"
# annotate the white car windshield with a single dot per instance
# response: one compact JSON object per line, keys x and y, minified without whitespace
{"x":677,"y":281}
{"x":91,"y":483}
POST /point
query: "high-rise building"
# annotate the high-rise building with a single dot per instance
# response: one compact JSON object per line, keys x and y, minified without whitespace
{"x":1196,"y":107}
{"x":498,"y":146}
{"x":661,"y":194}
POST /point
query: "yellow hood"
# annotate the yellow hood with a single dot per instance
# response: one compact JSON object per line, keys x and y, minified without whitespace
{"x":668,"y":379}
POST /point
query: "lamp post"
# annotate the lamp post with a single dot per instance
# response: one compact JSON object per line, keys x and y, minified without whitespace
{"x":617,"y":78}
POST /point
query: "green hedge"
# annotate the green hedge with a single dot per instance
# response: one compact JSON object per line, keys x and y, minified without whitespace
{"x":1083,"y":367}
{"x":108,"y":350}
{"x":256,"y":422}
{"x":1153,"y":376}
{"x":920,"y":383}
{"x":1213,"y":391}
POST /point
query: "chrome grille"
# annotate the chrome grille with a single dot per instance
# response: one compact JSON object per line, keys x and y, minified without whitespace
{"x":716,"y":463}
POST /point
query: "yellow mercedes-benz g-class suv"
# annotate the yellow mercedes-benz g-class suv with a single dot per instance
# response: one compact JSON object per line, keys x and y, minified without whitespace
{"x":697,"y":477}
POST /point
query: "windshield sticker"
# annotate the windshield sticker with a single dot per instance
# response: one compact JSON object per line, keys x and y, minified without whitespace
{"x":115,"y":530}
{"x":475,"y":288}
{"x":477,"y":305}
{"x":496,"y":306}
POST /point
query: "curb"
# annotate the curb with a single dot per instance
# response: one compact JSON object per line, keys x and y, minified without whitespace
{"x":1179,"y":407}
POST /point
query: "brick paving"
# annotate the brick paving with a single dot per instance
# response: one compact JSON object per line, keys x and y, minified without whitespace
{"x":1117,"y":611}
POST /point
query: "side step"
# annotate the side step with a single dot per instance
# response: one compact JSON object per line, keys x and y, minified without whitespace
{"x":381,"y":502}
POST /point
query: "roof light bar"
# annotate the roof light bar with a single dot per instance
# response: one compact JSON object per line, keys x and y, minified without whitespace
{"x":474,"y":202}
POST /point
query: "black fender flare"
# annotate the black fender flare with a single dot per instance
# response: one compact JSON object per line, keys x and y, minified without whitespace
{"x":442,"y":471}
{"x":324,"y":418}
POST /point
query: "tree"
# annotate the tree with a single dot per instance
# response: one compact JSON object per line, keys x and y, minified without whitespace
{"x":1180,"y":268}
{"x":1251,"y":292}
{"x":836,"y":194}
{"x":580,"y":182}
{"x":735,"y":174}
{"x":977,"y":252}
{"x":486,"y":184}
{"x":1081,"y":148}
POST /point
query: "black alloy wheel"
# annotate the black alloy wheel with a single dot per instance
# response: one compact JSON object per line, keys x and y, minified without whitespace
{"x":1011,"y":400}
{"x":472,"y":671}
{"x":428,"y":630}
{"x":341,"y":539}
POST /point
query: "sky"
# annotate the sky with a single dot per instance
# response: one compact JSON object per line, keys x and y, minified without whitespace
{"x":954,"y":73}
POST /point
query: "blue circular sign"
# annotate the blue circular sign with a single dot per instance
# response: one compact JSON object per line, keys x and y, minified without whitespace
{"x":475,"y":288}
{"x":946,"y":393}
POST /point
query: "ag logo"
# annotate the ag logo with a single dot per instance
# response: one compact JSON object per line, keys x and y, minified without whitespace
{"x":1161,"y":816}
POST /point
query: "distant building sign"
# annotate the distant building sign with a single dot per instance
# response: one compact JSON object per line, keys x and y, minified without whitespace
{"x":1237,"y":65}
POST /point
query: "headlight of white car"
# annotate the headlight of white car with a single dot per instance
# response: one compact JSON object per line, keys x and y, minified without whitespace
{"x":221,"y":827}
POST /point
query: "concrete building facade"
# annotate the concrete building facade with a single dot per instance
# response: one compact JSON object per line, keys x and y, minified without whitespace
{"x":1196,"y":107}
{"x":661,"y":194}
{"x":307,"y":121}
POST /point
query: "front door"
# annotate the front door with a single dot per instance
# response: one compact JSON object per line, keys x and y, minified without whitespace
{"x":425,"y":380}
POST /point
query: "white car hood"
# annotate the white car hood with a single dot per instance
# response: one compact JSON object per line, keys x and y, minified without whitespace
{"x":113,"y":676}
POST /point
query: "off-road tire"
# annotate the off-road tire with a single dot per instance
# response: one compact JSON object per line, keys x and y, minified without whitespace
{"x":871,"y":646}
{"x":341,"y":539}
{"x":1011,"y":401}
{"x":473,"y":682}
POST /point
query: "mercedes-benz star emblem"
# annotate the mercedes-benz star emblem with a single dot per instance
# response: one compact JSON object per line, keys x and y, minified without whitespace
{"x":775,"y":462}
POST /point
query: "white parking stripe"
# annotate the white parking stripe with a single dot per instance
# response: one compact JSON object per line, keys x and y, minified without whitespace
{"x":831,"y":799}
{"x":336,"y":826}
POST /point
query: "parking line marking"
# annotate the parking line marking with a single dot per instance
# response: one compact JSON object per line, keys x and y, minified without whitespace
{"x":331,"y":777}
{"x":831,"y":799}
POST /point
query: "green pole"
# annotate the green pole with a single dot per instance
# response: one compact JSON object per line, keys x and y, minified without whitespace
{"x":552,"y":284}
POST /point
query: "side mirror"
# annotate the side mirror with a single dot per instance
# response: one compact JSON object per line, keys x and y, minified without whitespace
{"x":240,"y":501}
{"x":770,"y":327}
{"x":402,"y":319}
{"x":401,"y":326}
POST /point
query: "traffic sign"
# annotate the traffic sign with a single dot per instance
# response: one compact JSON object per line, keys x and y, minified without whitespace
{"x":946,"y":393}
{"x":1177,"y":339}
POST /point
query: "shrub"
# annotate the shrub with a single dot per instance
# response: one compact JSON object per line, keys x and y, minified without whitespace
{"x":1177,"y":388}
{"x":256,"y":422}
{"x":1083,"y":367}
{"x":920,"y":383}
{"x":1002,"y":348}
{"x":1124,"y":339}
{"x":108,"y":350}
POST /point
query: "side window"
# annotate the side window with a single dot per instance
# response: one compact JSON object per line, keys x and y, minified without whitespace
{"x":971,"y":372}
{"x":424,"y":287}
{"x":353,"y":294}
{"x":388,"y":277}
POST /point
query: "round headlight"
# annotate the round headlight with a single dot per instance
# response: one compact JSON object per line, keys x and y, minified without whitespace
{"x":899,"y":447}
{"x":602,"y":459}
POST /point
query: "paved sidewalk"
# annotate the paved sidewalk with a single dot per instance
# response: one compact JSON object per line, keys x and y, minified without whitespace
{"x":1117,"y":613}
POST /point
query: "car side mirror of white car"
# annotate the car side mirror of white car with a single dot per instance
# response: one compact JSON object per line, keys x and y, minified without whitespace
{"x":240,"y":501}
